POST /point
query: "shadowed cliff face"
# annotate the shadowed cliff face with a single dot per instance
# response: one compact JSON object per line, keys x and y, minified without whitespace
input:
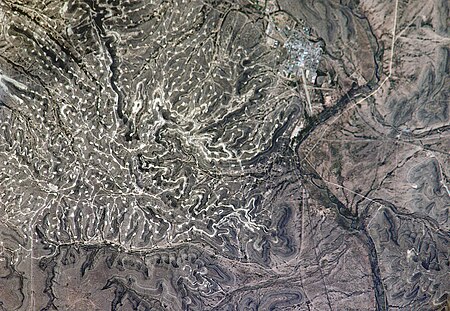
{"x":224,"y":155}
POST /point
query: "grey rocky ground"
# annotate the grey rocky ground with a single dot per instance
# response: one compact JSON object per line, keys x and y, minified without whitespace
{"x":224,"y":155}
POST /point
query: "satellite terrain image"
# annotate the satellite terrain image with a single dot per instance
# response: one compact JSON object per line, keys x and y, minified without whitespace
{"x":224,"y":155}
